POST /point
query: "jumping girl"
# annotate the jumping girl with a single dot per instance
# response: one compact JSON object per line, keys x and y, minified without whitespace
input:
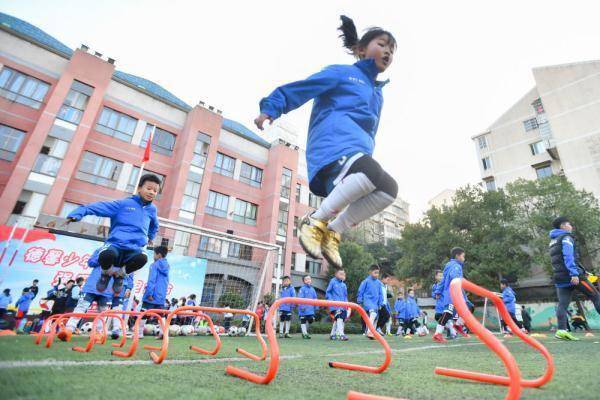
{"x":341,"y":139}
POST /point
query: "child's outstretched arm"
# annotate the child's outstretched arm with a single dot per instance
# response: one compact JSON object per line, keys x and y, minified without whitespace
{"x":292,"y":95}
{"x":100,"y":209}
{"x":152,"y":229}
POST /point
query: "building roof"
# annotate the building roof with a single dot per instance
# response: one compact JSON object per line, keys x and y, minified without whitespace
{"x":35,"y":35}
{"x":236,"y":127}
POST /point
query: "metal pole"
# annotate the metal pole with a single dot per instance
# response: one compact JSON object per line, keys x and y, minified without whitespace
{"x":484,"y":311}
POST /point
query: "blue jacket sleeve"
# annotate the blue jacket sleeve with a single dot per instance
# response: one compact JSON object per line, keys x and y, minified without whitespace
{"x":361,"y":292}
{"x":163,"y":267}
{"x":329,"y":290}
{"x":508,"y":296}
{"x":151,"y":281}
{"x":153,"y":228}
{"x":291,"y":96}
{"x":569,"y":256}
{"x":100,"y":209}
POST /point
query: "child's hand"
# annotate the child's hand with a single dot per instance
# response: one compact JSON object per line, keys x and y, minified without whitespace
{"x":260,"y":120}
{"x":68,"y":221}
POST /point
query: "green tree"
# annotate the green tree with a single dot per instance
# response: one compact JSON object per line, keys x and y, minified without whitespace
{"x":538,"y":202}
{"x":356,"y":264}
{"x":231,"y":299}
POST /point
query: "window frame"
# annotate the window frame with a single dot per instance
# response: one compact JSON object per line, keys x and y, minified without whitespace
{"x":219,"y":161}
{"x":6,"y":153}
{"x":156,"y":145}
{"x":115,"y":132}
{"x":100,"y":179}
{"x":18,"y":96}
{"x":249,"y":212}
{"x":255,"y":175}
{"x":214,"y":211}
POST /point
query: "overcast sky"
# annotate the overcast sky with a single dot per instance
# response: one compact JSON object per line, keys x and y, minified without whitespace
{"x":459,"y":65}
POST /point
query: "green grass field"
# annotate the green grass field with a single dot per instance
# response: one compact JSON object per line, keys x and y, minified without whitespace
{"x":303,"y":374}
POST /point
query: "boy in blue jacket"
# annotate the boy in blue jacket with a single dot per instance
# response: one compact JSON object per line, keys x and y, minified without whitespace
{"x":89,"y":295}
{"x":569,"y":274}
{"x":306,"y":312}
{"x":510,"y":301}
{"x":337,"y":291}
{"x":157,"y":284}
{"x":23,"y":305}
{"x":341,"y":139}
{"x":370,"y":295}
{"x":411,"y":313}
{"x":453,"y":269}
{"x":133,"y":225}
{"x":285,"y":310}
{"x":399,"y":308}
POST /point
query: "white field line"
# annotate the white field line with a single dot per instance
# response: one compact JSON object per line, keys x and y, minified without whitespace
{"x":57,"y":363}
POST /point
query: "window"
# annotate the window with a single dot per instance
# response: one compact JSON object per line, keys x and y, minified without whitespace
{"x":298,"y":192}
{"x":293,"y":266}
{"x":46,"y":164}
{"x":163,"y":142}
{"x":296,"y":225}
{"x":217,"y":204}
{"x":240,"y":251}
{"x":286,"y":183}
{"x":530,"y":124}
{"x":482,"y":141}
{"x":313,"y":267}
{"x":251,"y":175}
{"x":21,"y":88}
{"x":487,"y":163}
{"x":224,"y":165}
{"x":134,"y":177}
{"x":282,"y":219}
{"x":209,"y":245}
{"x":99,"y":170}
{"x":190,"y":196}
{"x":116,"y":124}
{"x":201,"y":151}
{"x":245,"y":212}
{"x":314,"y":201}
{"x":538,"y":147}
{"x":10,"y":141}
{"x":543,"y":171}
{"x":490,"y":184}
{"x":75,"y":102}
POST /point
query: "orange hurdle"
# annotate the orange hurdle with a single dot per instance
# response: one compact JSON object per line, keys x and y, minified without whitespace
{"x":136,"y":338}
{"x":59,"y":322}
{"x":274,"y":347}
{"x":514,"y":380}
{"x":362,"y":396}
{"x":101,"y":317}
{"x":158,"y":358}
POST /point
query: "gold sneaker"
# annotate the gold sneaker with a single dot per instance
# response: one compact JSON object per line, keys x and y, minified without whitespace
{"x":330,"y":247}
{"x":311,"y":231}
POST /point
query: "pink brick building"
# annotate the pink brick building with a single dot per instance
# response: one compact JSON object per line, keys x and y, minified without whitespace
{"x":73,"y":130}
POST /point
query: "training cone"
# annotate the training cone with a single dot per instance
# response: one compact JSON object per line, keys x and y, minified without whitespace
{"x":589,"y":334}
{"x":538,"y":335}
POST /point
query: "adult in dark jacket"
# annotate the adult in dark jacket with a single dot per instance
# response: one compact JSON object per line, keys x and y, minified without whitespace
{"x":569,"y":275}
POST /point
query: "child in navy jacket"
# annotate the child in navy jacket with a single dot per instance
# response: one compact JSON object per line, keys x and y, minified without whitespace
{"x":370,"y":295}
{"x":285,"y":310}
{"x":337,"y":291}
{"x":306,"y":312}
{"x":341,"y":139}
{"x":133,"y":225}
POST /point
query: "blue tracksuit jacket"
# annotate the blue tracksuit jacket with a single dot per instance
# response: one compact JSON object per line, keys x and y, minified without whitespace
{"x":287,"y":291}
{"x":345,"y":114}
{"x":158,"y":282}
{"x":568,"y":255}
{"x":306,"y":292}
{"x":24,"y":301}
{"x":370,"y":294}
{"x":5,"y":300}
{"x":90,"y":283}
{"x":436,"y":290}
{"x":336,"y":291}
{"x":453,"y":269}
{"x":399,"y":308}
{"x":412,"y":310}
{"x":132,"y":222}
{"x":509,"y":299}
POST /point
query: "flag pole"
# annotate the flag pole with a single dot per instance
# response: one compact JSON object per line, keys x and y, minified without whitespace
{"x":137,"y":184}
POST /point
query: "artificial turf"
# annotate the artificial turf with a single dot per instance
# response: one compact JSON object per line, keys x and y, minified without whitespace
{"x":303,"y":373}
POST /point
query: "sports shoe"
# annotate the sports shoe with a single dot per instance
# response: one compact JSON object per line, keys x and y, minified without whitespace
{"x":281,"y":336}
{"x":102,"y":283}
{"x":439,"y":338}
{"x":460,"y":329}
{"x":589,"y":334}
{"x":307,"y":336}
{"x":565,"y":335}
{"x":311,"y":234}
{"x":344,"y":338}
{"x":64,"y":335}
{"x":114,"y":335}
{"x":118,"y":278}
{"x":330,"y":247}
{"x":370,"y":336}
{"x":287,"y":336}
{"x":333,"y":337}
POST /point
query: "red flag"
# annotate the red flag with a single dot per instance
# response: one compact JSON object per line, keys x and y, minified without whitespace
{"x":147,"y":151}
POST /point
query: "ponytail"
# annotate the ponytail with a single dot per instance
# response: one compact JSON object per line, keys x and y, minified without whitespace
{"x":349,"y":34}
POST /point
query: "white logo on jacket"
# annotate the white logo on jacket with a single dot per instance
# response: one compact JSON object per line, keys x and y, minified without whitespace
{"x":356,"y":80}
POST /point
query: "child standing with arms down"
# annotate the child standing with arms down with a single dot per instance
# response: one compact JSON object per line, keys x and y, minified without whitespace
{"x":285,"y":310}
{"x":306,"y":312}
{"x":133,"y":225}
{"x":341,"y":139}
{"x":337,"y":291}
{"x":370,"y":295}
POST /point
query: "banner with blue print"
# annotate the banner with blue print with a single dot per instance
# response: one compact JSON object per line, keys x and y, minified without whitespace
{"x":38,"y":254}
